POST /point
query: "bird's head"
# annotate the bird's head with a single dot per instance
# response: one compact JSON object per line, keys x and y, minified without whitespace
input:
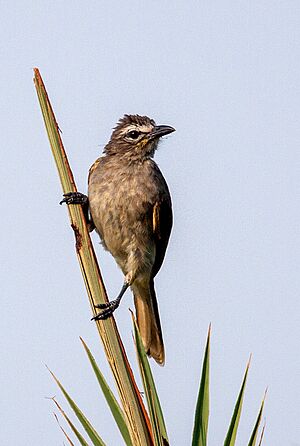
{"x":136,"y":137}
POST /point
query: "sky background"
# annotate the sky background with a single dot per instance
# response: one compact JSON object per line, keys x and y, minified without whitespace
{"x":226,"y":75}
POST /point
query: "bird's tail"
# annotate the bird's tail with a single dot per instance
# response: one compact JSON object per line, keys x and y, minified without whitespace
{"x":148,"y":320}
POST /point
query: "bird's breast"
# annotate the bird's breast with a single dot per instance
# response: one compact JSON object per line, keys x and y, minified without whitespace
{"x":121,"y":204}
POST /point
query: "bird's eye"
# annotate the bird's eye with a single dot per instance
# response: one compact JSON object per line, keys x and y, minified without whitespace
{"x":133,"y":134}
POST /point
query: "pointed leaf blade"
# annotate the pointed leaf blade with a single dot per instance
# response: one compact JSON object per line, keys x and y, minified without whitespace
{"x":114,"y":406}
{"x":262,"y":435}
{"x":232,"y":431}
{"x":252,"y":441}
{"x":91,"y":432}
{"x":80,"y":438}
{"x":156,"y":415}
{"x":202,"y":406}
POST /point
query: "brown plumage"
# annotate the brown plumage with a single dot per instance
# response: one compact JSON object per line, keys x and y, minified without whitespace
{"x":131,"y":209}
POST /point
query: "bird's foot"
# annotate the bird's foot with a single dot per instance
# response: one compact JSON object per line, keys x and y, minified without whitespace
{"x":74,"y":198}
{"x":108,"y":309}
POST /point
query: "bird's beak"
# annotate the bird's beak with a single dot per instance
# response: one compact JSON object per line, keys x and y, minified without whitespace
{"x":161,"y":130}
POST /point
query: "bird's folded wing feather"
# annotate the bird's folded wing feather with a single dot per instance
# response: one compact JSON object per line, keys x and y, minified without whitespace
{"x":162,"y":225}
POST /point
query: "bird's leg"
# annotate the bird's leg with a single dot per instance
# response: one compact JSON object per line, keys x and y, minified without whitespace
{"x":109,"y":307}
{"x":79,"y":198}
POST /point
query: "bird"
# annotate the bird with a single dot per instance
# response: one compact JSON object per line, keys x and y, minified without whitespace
{"x":129,"y":205}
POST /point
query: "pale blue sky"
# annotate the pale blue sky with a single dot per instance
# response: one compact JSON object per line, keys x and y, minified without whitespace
{"x":226,"y":75}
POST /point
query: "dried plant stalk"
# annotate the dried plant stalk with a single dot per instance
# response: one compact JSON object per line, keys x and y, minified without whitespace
{"x":135,"y":412}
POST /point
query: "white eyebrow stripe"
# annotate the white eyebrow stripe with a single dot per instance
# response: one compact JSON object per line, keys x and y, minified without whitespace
{"x":139,"y":128}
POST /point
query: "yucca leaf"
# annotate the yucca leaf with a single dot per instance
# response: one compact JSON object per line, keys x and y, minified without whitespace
{"x":262,"y":435}
{"x":155,"y":411}
{"x":252,"y":441}
{"x":114,"y":406}
{"x":232,"y":431}
{"x":80,"y":438}
{"x":62,"y":429}
{"x":202,"y":407}
{"x":91,"y":432}
{"x":135,"y":412}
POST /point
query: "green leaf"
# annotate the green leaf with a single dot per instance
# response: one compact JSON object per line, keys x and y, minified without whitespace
{"x":114,"y":406}
{"x":91,"y":432}
{"x":252,"y":441}
{"x":262,"y":435}
{"x":202,"y":407}
{"x":232,"y":431}
{"x":155,"y":411}
{"x":76,"y":432}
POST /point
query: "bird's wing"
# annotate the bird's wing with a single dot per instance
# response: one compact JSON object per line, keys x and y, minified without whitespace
{"x":94,"y":166}
{"x":162,"y":220}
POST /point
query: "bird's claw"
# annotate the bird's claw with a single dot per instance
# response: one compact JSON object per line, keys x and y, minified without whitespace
{"x":103,"y":306}
{"x":108,"y":309}
{"x":74,"y":198}
{"x":103,"y":315}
